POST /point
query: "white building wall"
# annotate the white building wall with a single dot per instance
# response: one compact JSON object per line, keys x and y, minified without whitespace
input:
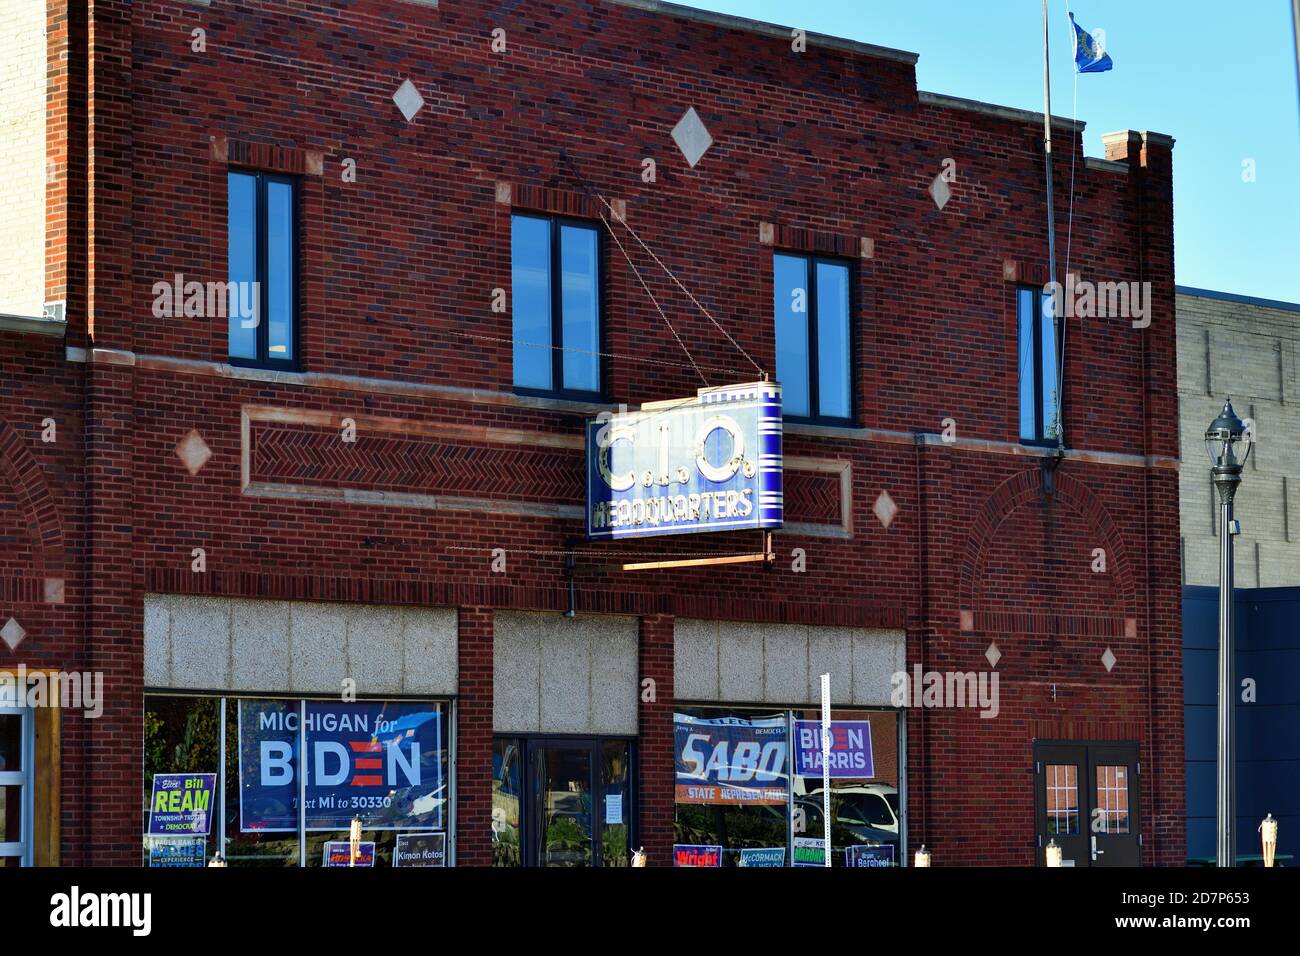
{"x":22,"y":157}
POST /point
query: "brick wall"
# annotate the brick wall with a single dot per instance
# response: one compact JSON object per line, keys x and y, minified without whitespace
{"x":1245,"y":349}
{"x":828,"y":148}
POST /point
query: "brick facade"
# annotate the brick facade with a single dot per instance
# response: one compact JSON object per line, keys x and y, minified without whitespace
{"x":830,"y":149}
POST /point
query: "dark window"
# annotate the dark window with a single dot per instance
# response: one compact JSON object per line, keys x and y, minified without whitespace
{"x":555,"y":274}
{"x":1039,"y":401}
{"x":811,"y":303}
{"x":262,"y":298}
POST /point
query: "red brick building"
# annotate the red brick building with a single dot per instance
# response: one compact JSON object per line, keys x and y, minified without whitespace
{"x":368,"y":494}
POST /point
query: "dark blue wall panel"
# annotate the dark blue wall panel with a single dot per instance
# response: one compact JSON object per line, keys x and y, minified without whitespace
{"x":1268,"y":731}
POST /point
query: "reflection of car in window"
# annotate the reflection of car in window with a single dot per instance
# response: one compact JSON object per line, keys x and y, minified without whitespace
{"x":862,"y":814}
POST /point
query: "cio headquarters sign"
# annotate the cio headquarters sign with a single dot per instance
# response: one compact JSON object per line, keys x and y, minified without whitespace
{"x":708,"y":463}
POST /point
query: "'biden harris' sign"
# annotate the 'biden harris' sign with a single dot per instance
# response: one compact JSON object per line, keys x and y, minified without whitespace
{"x":708,"y":463}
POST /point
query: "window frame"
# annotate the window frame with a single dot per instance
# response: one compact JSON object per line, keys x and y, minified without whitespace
{"x":1041,"y":439}
{"x":25,"y":780}
{"x":814,"y":416}
{"x":556,"y":223}
{"x":264,"y":360}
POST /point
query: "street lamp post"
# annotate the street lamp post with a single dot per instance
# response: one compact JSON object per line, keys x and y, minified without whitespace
{"x":1228,"y":443}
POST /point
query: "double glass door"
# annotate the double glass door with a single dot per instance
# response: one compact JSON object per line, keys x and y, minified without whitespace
{"x":1088,"y":802}
{"x":562,"y":801}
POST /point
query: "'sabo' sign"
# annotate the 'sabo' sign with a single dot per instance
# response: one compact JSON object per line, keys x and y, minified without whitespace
{"x":708,"y":463}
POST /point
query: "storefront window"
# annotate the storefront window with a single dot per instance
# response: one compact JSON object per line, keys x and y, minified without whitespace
{"x":735,"y":807}
{"x":865,"y":809}
{"x":386,"y":762}
{"x":732,"y":787}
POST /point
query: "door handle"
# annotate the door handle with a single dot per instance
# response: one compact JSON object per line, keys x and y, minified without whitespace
{"x":1095,"y":851}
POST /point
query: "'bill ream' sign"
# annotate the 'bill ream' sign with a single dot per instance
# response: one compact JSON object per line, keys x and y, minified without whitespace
{"x":708,"y":463}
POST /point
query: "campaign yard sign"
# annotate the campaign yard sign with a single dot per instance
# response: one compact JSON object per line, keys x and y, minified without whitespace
{"x":762,"y":856}
{"x":181,"y":804}
{"x":864,"y":855}
{"x":420,"y":849}
{"x":850,"y":749}
{"x":809,"y":851}
{"x":182,"y":852}
{"x":339,"y":853}
{"x":692,"y":854}
{"x":707,"y":463}
{"x":730,"y":760}
{"x":379,"y":760}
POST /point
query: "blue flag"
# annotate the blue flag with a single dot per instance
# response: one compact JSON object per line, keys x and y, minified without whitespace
{"x":1088,"y":57}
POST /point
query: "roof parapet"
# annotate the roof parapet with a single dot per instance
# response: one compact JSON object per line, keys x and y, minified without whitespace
{"x":728,"y":21}
{"x":1001,"y":112}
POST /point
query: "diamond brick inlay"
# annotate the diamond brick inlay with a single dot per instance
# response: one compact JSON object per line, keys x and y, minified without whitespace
{"x":12,"y":634}
{"x":309,"y":455}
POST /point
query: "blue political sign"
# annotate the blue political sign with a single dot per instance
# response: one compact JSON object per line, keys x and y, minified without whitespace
{"x":382,"y":761}
{"x":707,"y":463}
{"x":730,"y":760}
{"x":850,"y":749}
{"x":181,"y":804}
{"x":863,"y":855}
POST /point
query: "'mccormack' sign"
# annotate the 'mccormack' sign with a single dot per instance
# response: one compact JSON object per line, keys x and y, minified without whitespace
{"x":709,"y":463}
{"x":381,"y":761}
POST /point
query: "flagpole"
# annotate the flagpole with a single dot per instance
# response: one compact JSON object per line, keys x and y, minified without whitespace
{"x":1051,"y":227}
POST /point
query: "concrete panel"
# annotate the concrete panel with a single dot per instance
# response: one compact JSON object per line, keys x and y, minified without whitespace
{"x":566,"y":675}
{"x":695,"y":661}
{"x":516,"y":680}
{"x":877,"y":655}
{"x":830,"y":651}
{"x":309,"y":647}
{"x":318,"y":647}
{"x":432,"y":656}
{"x":740,"y":662}
{"x":785,"y":663}
{"x":615,"y":687}
{"x":259,"y":640}
{"x":157,"y":641}
{"x":781,"y":663}
{"x":200,"y":639}
{"x":375,"y":650}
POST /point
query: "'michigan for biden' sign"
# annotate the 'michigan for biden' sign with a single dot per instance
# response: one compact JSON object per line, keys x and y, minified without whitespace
{"x":708,"y":463}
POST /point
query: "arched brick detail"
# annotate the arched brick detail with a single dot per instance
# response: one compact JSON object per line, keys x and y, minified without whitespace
{"x":1026,"y":486}
{"x":20,"y":469}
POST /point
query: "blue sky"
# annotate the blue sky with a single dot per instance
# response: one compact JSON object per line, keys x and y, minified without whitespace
{"x":1218,"y":77}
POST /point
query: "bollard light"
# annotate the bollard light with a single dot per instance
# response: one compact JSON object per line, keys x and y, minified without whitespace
{"x":1053,"y":853}
{"x":922,"y":857}
{"x":354,"y":841}
{"x":1268,"y":836}
{"x":638,"y":856}
{"x":217,"y":860}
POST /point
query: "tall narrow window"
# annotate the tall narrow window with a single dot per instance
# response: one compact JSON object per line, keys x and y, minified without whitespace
{"x":1039,"y":396}
{"x":555,"y":274}
{"x":262,"y":298}
{"x":811,"y":304}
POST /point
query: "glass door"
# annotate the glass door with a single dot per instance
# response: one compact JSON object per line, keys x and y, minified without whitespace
{"x":15,"y":786}
{"x":563,"y":801}
{"x":563,"y":794}
{"x":1087,"y":802}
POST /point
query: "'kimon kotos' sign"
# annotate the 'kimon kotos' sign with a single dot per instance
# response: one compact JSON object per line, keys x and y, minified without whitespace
{"x":708,"y":463}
